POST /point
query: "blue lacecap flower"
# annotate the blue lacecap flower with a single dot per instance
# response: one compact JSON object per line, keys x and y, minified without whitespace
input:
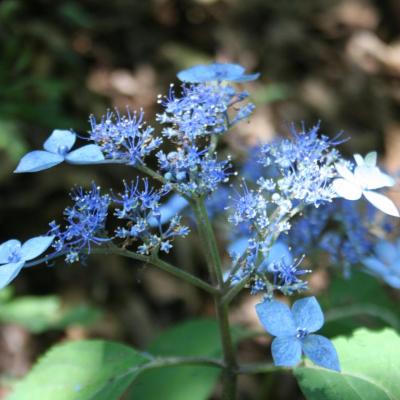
{"x":56,"y":150}
{"x":294,"y":330}
{"x":216,"y":72}
{"x":14,"y":255}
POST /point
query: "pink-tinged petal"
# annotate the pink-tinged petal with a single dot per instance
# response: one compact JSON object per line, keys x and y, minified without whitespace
{"x":307,"y":314}
{"x":382,"y":203}
{"x":286,"y":351}
{"x":321,"y":351}
{"x":7,"y":249}
{"x":346,"y":189}
{"x":276,"y":318}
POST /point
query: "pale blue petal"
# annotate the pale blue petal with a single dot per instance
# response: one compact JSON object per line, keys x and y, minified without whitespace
{"x":35,"y":247}
{"x":279,"y":252}
{"x":173,"y":206}
{"x":38,"y":160}
{"x":393,"y":281}
{"x":247,"y":78}
{"x":7,"y":249}
{"x":308,"y":314}
{"x":229,"y":71}
{"x":197,"y":74}
{"x":215,"y":72}
{"x":8,"y":272}
{"x":375,"y":265}
{"x":286,"y":351}
{"x":276,"y":318}
{"x":60,"y":141}
{"x":239,"y":246}
{"x":89,"y":154}
{"x":386,"y":251}
{"x":321,"y":351}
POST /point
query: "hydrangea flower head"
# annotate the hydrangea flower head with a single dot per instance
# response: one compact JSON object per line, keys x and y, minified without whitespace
{"x":140,"y":207}
{"x":216,"y":72}
{"x":294,"y":333}
{"x":195,"y":172}
{"x":14,"y":255}
{"x":363,"y":181}
{"x":85,"y":223}
{"x":201,"y":110}
{"x":56,"y":150}
{"x":385,"y":263}
{"x":124,"y":137}
{"x":304,"y":164}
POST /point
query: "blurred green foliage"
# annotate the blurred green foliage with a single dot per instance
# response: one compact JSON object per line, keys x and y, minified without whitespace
{"x":56,"y":67}
{"x":39,"y":314}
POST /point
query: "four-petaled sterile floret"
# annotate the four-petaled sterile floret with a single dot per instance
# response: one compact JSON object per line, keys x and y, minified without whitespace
{"x":294,"y":333}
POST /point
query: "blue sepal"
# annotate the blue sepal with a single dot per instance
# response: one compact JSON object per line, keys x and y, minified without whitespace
{"x":276,"y":318}
{"x":321,"y":351}
{"x":38,"y":160}
{"x":89,"y":154}
{"x":8,"y":272}
{"x":34,"y":247}
{"x":307,"y":314}
{"x":215,"y":72}
{"x":247,"y":78}
{"x":7,"y":249}
{"x":286,"y":351}
{"x":60,"y":141}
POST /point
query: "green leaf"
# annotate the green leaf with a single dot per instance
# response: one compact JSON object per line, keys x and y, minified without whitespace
{"x":83,"y":370}
{"x":370,"y":363}
{"x":193,"y":338}
{"x":41,"y":313}
{"x":360,"y":300}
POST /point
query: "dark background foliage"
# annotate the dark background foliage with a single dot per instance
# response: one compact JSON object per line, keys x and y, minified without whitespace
{"x":329,"y":60}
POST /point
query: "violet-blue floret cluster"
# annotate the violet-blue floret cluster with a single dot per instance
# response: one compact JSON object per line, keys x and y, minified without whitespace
{"x":194,"y":171}
{"x":305,"y":164}
{"x":139,"y":206}
{"x":124,"y":138}
{"x":201,"y":110}
{"x":85,"y":223}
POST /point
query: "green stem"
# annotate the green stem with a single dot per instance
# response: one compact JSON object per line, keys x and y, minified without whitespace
{"x":206,"y":233}
{"x":207,"y":236}
{"x":234,"y":291}
{"x":161,"y":362}
{"x":148,"y":171}
{"x":155,"y":175}
{"x":171,"y":269}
